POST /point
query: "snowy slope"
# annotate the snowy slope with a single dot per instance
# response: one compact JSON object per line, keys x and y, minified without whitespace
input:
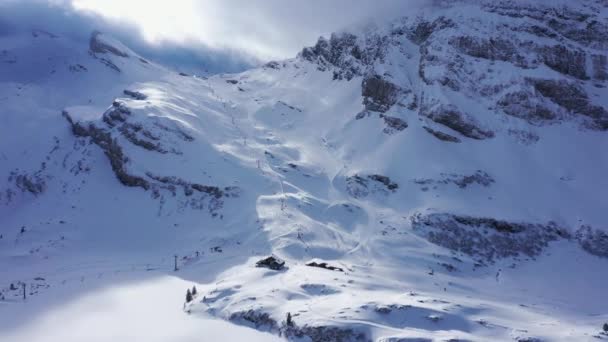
{"x":448,"y":165}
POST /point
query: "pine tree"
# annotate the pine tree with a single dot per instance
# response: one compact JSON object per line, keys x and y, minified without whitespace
{"x":289,"y":320}
{"x":194,"y":292}
{"x":605,"y":327}
{"x":188,"y":296}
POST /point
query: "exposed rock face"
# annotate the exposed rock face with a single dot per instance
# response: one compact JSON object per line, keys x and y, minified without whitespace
{"x":135,"y":95}
{"x":441,"y":136}
{"x":393,"y":124}
{"x":379,"y":95}
{"x":118,"y":121}
{"x":495,"y":49}
{"x":573,"y":98}
{"x":112,"y":150}
{"x":256,"y":319}
{"x":461,"y":56}
{"x":348,"y":55}
{"x":565,"y":61}
{"x":593,"y":241}
{"x":362,"y":186}
{"x":526,"y":105}
{"x":326,"y":334}
{"x":324,"y":265}
{"x":33,"y":184}
{"x":422,"y":30}
{"x":462,"y":181}
{"x":600,"y":69}
{"x":487,"y":238}
{"x":450,"y":117}
{"x":98,"y":45}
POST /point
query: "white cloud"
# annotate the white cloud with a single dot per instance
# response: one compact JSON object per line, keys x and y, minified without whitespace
{"x":266,"y":29}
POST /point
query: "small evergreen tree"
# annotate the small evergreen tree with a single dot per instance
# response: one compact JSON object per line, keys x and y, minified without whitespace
{"x":289,"y":320}
{"x":188,"y":296}
{"x":605,"y":327}
{"x":194,"y":292}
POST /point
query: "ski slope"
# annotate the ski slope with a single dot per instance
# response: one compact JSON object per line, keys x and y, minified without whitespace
{"x":445,"y":213}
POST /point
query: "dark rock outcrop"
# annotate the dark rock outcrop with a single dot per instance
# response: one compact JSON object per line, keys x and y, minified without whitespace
{"x":111,"y":149}
{"x":362,"y":186}
{"x":572,"y":97}
{"x":256,"y":319}
{"x":97,"y":45}
{"x":33,"y":184}
{"x":393,"y":124}
{"x":326,"y":334}
{"x":135,"y":95}
{"x":441,"y":136}
{"x":379,"y":95}
{"x":116,"y":121}
{"x":594,"y":241}
{"x":462,"y":181}
{"x":566,"y":61}
{"x":450,"y":117}
{"x":423,"y":30}
{"x":348,"y":55}
{"x":487,"y":238}
{"x":525,"y":105}
{"x":600,"y":68}
{"x":495,"y":49}
{"x":324,"y":265}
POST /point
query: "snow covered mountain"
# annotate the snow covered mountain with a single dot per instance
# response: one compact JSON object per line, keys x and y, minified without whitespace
{"x":440,"y":177}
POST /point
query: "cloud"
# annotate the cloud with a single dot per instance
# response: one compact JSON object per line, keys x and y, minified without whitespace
{"x":217,"y":35}
{"x":268,"y":29}
{"x":62,"y":18}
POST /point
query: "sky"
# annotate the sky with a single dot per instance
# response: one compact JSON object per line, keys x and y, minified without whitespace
{"x":223,"y":35}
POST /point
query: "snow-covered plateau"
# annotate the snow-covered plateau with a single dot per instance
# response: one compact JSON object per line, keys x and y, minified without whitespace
{"x":442,"y":177}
